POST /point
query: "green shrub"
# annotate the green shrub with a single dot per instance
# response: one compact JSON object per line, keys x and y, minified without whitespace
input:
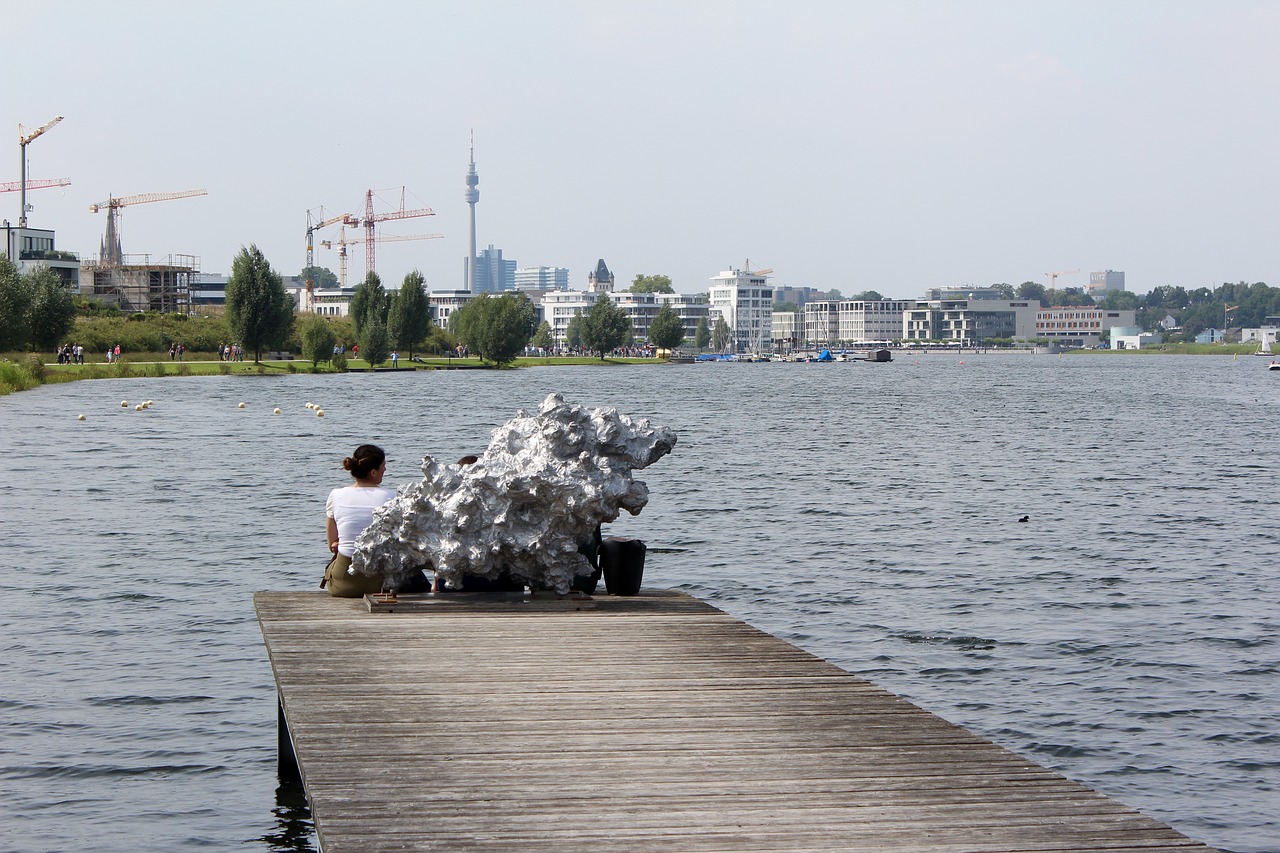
{"x":124,"y":369}
{"x":339,"y":362}
{"x":224,"y":368}
{"x":155,"y":368}
{"x":184,"y":369}
{"x":14,"y":377}
{"x":34,"y":366}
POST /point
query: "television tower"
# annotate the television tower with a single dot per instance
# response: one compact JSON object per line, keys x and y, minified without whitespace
{"x":473,"y":196}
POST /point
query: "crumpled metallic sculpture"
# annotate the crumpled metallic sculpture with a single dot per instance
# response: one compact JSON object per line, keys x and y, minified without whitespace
{"x":541,"y":487}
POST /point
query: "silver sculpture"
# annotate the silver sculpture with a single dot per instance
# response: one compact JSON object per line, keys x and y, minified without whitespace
{"x":541,"y":487}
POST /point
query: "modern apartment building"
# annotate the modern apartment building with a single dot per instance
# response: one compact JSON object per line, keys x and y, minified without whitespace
{"x":29,"y":247}
{"x":872,"y":321}
{"x":560,"y":306}
{"x":444,"y":302}
{"x":745,"y":301}
{"x":969,"y":321}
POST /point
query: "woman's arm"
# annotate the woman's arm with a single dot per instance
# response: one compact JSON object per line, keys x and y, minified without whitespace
{"x":331,"y":533}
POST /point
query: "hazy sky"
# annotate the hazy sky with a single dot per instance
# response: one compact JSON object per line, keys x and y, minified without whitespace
{"x":891,"y":146}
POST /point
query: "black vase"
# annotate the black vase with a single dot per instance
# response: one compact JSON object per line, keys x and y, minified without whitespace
{"x":622,"y":561}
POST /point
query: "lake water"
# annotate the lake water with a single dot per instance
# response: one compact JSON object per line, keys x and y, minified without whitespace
{"x":1125,"y":635}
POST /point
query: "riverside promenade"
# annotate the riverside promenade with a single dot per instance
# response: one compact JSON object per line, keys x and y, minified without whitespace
{"x":492,"y":722}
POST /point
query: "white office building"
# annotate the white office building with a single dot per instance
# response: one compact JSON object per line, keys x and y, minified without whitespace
{"x":745,"y":301}
{"x":539,"y":279}
{"x":1080,"y":325}
{"x":1100,"y":283}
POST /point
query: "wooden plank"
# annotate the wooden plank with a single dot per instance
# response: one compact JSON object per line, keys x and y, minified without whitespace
{"x":510,"y":722}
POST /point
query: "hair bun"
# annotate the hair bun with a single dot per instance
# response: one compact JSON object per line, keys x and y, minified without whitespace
{"x":348,"y":463}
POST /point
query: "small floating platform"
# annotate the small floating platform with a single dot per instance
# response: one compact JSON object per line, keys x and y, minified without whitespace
{"x":511,"y":722}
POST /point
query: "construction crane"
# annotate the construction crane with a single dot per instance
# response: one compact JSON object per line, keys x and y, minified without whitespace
{"x":111,"y":252}
{"x":371,"y":220}
{"x":25,"y":139}
{"x":312,"y":227}
{"x":342,"y":242}
{"x":750,"y":271}
{"x":1053,"y":277}
{"x":14,"y":186}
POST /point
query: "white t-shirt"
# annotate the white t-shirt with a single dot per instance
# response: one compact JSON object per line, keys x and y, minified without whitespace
{"x":351,"y":507}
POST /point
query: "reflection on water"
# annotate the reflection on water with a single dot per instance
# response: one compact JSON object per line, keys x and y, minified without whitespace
{"x":1124,"y":635}
{"x":294,"y":831}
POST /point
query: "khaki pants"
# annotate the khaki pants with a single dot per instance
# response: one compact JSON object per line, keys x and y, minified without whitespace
{"x":344,"y":584}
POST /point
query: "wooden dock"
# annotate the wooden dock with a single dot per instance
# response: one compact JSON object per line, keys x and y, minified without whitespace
{"x":653,"y":723}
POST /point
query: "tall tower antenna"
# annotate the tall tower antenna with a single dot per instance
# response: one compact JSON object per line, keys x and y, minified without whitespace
{"x":473,"y":196}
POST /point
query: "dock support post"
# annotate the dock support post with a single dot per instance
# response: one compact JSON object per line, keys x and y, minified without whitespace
{"x":286,"y":761}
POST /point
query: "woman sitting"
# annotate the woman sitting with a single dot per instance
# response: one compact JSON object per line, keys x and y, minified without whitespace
{"x":348,"y":511}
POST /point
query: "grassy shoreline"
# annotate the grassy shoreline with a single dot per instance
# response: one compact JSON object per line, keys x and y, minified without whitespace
{"x":19,"y":373}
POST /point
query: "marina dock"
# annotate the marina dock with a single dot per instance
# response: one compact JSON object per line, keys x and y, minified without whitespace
{"x":505,"y":722}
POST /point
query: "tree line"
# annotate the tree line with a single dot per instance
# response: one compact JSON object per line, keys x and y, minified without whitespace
{"x":36,"y":309}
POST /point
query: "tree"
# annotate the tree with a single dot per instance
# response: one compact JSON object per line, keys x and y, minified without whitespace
{"x":318,"y":339}
{"x":1005,"y":290}
{"x":720,"y":335}
{"x":15,"y":307}
{"x":259,"y":310}
{"x":573,"y":331}
{"x":604,"y":327}
{"x":867,"y":296}
{"x":702,"y":334}
{"x":409,"y":318}
{"x":321,"y":277}
{"x":542,"y":338}
{"x":1118,"y":300}
{"x":496,"y":327}
{"x":375,"y":343}
{"x":52,"y":307}
{"x":785,"y":306}
{"x":652,"y":284}
{"x":667,"y":329}
{"x":832,"y":295}
{"x":1031,"y":291}
{"x":367,"y":301}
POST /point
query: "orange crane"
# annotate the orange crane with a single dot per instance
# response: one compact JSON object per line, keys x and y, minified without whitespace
{"x":1053,"y":277}
{"x":342,"y":243}
{"x":111,"y":252}
{"x":371,"y":220}
{"x":25,"y":139}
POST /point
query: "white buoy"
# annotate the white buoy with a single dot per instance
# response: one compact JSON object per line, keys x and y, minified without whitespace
{"x":311,"y":405}
{"x":80,"y":418}
{"x":319,"y":413}
{"x":275,"y":411}
{"x":138,"y":408}
{"x":242,"y":405}
{"x":124,"y":404}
